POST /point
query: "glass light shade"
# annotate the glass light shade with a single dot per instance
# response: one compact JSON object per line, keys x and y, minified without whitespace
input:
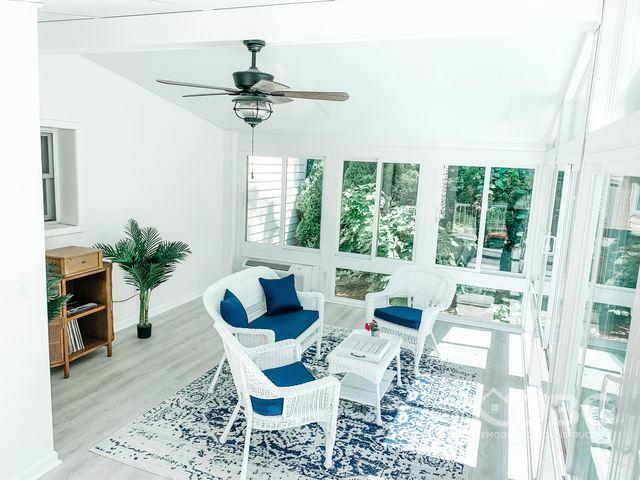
{"x":253,"y":111}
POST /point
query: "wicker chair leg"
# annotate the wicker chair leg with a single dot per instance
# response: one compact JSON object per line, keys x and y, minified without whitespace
{"x":319,"y":345}
{"x":416,"y":359}
{"x":227,"y":429}
{"x":435,"y":345}
{"x":217,"y":374}
{"x":330,"y":432}
{"x":245,"y":454}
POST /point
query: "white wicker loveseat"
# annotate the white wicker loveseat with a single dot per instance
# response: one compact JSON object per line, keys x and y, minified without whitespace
{"x":276,"y":391}
{"x":429,"y":291}
{"x":305,"y":326}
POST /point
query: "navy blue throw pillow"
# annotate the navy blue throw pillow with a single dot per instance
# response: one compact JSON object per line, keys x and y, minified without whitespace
{"x":232,"y":311}
{"x":281,"y":295}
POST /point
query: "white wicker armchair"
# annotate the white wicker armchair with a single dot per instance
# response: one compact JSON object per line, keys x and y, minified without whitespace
{"x":267,"y":406}
{"x":429,"y":291}
{"x":245,"y":285}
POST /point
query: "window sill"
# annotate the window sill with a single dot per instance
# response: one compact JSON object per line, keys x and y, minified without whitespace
{"x":60,"y":229}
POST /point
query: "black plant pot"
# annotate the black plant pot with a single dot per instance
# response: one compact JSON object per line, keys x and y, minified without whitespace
{"x":144,"y":332}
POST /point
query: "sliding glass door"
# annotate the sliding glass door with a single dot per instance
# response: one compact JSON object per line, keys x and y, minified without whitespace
{"x":594,"y":388}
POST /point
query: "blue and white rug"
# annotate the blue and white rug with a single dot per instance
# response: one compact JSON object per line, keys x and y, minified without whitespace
{"x":430,"y":428}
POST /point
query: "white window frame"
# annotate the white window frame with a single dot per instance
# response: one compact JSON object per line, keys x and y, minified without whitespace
{"x":52,"y":136}
{"x":282,"y":246}
{"x":372,"y":256}
{"x":477,"y":269}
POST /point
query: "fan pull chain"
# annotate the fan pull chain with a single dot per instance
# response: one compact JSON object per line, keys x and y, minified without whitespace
{"x":253,"y":136}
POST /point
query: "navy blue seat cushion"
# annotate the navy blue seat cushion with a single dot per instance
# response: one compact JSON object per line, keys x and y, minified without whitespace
{"x":405,"y":316}
{"x":286,"y":376}
{"x":232,"y":311}
{"x":288,"y":325}
{"x":280,"y":295}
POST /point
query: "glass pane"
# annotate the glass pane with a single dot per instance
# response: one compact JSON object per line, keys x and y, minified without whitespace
{"x":460,"y":216}
{"x":487,"y":304}
{"x":264,"y":199}
{"x":608,"y":317}
{"x":48,"y":199}
{"x":44,"y":153}
{"x":555,"y":214}
{"x":507,"y":219}
{"x":303,"y":202}
{"x":358,"y":203}
{"x":397,"y":215}
{"x":356,"y":284}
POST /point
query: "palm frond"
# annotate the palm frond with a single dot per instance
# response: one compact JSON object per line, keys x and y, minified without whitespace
{"x":55,"y":301}
{"x":146,"y":259}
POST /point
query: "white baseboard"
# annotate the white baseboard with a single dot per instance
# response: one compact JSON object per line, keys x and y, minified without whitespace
{"x":37,"y":470}
{"x":157,"y":310}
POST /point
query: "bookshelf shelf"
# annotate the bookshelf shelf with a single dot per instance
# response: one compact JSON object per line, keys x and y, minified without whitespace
{"x":86,"y":313}
{"x":88,"y":279}
{"x":90,"y":345}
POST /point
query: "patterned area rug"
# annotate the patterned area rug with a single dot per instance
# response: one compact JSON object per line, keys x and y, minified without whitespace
{"x":429,"y":431}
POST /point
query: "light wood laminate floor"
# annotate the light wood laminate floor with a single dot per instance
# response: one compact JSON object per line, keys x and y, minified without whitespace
{"x":103,"y":394}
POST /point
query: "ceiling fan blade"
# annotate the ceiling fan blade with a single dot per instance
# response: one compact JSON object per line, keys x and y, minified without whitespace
{"x":331,"y":96}
{"x":206,"y":94}
{"x":198,"y":85}
{"x":267,"y":86}
{"x":279,"y":100}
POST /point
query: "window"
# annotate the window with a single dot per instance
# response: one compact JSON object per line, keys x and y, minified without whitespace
{"x":48,"y":178}
{"x":264,"y":200}
{"x":487,"y":304}
{"x":488,"y":204}
{"x":355,"y":284}
{"x":284,"y":201}
{"x":303,"y":212}
{"x":59,"y":178}
{"x":507,"y":219}
{"x":381,"y":201}
{"x":460,"y":216}
{"x":555,"y":216}
{"x":358,"y":204}
{"x":397,"y":212}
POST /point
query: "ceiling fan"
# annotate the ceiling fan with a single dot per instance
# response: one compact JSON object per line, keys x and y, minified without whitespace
{"x":256,"y":92}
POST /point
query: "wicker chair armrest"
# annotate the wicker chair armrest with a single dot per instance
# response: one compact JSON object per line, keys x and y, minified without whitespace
{"x":321,"y":394}
{"x":375,"y":300}
{"x":429,"y":317}
{"x":252,"y":337}
{"x":312,"y":301}
{"x":275,"y":354}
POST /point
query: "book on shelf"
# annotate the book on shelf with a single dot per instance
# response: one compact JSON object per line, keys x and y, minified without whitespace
{"x":75,"y":336}
{"x":79,"y":305}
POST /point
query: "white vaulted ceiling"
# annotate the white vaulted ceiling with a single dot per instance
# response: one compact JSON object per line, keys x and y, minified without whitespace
{"x":505,"y":88}
{"x":66,"y":10}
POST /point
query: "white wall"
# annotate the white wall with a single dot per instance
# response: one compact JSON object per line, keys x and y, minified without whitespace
{"x":140,"y":156}
{"x":26,"y":437}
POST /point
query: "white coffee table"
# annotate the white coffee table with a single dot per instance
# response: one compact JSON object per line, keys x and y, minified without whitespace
{"x":366,"y":382}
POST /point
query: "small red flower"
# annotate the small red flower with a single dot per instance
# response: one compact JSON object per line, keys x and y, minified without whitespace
{"x":367,"y":327}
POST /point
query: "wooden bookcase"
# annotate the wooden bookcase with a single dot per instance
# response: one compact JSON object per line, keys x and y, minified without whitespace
{"x":96,"y":324}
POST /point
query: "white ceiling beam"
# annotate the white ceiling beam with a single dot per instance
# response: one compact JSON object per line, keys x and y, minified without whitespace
{"x":339,"y":21}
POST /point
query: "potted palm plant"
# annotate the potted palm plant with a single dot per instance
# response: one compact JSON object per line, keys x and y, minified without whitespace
{"x":147,"y":261}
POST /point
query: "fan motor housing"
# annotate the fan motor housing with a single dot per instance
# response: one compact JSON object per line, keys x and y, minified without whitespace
{"x":245,"y":79}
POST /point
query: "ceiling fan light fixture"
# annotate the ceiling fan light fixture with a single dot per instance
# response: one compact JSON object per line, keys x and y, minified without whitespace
{"x":252,"y":109}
